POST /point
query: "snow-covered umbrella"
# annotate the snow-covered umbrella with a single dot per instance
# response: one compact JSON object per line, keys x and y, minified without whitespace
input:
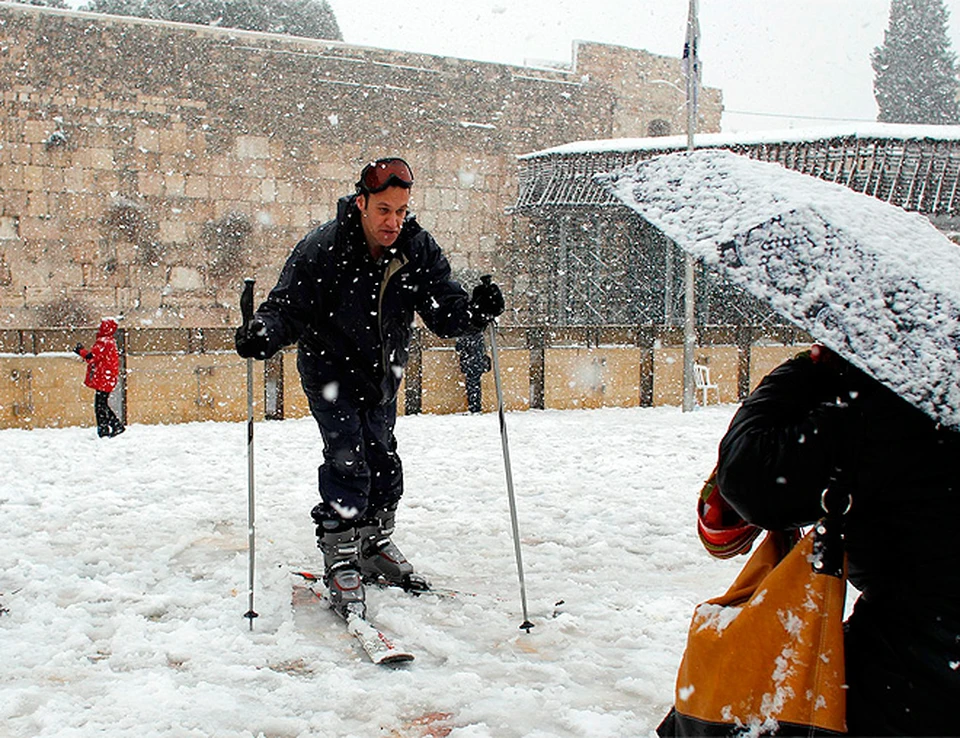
{"x":878,"y":285}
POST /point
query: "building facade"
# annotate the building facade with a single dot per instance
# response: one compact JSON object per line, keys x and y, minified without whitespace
{"x":147,"y":167}
{"x":602,"y":264}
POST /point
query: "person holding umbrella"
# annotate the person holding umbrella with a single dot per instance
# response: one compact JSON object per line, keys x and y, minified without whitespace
{"x":817,"y":414}
{"x":873,"y":411}
{"x":347,"y":296}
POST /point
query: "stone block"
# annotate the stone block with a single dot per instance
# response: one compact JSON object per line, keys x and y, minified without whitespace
{"x":300,"y":217}
{"x":196,"y":186}
{"x":253,"y":169}
{"x":268,"y":190}
{"x":219,"y":167}
{"x":33,"y":178}
{"x":239,"y":189}
{"x":147,"y":139}
{"x":40,"y":229}
{"x":252,"y":147}
{"x":150,"y":183}
{"x":428,"y":219}
{"x":98,"y":158}
{"x":286,"y":192}
{"x":9,"y":227}
{"x":37,"y":131}
{"x":11,"y":296}
{"x":432,"y":199}
{"x":38,"y":204}
{"x":106,"y":181}
{"x":185,"y":278}
{"x":11,"y":178}
{"x":172,"y":231}
{"x":174,"y":184}
{"x":173,"y":141}
{"x":78,"y":179}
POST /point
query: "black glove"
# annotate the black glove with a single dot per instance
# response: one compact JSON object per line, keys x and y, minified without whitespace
{"x":250,"y":340}
{"x":78,"y":348}
{"x":486,"y":303}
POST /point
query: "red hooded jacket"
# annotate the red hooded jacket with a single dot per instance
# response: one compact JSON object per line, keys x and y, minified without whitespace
{"x":103,"y":361}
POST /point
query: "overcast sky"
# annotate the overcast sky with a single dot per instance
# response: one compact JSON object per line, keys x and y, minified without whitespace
{"x":780,"y":63}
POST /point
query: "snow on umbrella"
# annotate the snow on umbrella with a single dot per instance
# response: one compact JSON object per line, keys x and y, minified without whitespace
{"x":878,"y":285}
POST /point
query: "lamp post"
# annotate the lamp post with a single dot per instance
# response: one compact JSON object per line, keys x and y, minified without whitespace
{"x":691,"y":67}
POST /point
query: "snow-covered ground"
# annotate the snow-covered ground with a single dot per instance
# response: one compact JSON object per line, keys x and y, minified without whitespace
{"x":123,"y":567}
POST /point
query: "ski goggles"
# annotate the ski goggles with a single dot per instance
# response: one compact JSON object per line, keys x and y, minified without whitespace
{"x":382,"y":173}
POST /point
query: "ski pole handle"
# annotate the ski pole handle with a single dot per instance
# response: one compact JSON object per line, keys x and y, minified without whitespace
{"x":487,"y":279}
{"x":246,"y":300}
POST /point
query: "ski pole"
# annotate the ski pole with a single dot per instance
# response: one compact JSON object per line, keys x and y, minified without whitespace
{"x":246,"y":312}
{"x":526,"y":625}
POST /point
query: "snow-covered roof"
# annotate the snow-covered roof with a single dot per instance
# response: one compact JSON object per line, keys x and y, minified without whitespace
{"x":915,"y":167}
{"x":751,"y":138}
{"x":875,"y":283}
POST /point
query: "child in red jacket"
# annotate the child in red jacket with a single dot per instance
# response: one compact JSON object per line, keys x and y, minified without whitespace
{"x":103,"y":371}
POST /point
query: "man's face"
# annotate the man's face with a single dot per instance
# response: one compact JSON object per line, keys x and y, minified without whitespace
{"x":382,"y":216}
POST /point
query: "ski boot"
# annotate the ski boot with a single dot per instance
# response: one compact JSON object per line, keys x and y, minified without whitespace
{"x":380,"y":558}
{"x":340,"y":547}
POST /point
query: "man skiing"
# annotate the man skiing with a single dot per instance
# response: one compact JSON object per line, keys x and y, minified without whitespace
{"x":347,"y":295}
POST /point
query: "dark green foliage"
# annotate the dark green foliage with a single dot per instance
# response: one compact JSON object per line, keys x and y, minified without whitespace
{"x":46,"y":3}
{"x":915,"y":79}
{"x":136,"y":8}
{"x":308,"y":18}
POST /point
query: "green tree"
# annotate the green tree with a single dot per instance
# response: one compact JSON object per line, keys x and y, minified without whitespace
{"x":46,"y":3}
{"x":915,"y":77}
{"x":309,"y":18}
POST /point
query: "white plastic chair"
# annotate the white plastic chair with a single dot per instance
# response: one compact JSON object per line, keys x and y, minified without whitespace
{"x":701,"y":375}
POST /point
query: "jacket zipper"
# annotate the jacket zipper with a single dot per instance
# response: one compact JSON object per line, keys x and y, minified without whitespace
{"x":393,"y":267}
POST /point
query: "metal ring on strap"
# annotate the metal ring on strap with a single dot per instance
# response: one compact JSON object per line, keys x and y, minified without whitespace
{"x":823,"y":502}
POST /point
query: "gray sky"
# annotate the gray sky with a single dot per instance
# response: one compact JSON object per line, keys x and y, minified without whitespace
{"x":780,"y":63}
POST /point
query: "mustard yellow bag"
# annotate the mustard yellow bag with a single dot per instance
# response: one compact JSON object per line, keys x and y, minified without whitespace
{"x":767,"y":656}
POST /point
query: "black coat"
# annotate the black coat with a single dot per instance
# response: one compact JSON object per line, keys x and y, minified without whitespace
{"x":903,"y":640}
{"x":472,"y":352}
{"x":352,"y":317}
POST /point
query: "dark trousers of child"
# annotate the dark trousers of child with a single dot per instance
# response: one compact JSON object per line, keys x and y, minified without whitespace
{"x":108,"y":424}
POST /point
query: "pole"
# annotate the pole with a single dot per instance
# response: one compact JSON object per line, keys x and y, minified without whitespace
{"x":526,"y":625}
{"x":689,"y":334}
{"x":692,"y":68}
{"x":246,"y":312}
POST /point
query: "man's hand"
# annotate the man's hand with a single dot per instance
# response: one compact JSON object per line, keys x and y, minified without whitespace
{"x":486,"y":303}
{"x":77,"y":349}
{"x":250,"y":340}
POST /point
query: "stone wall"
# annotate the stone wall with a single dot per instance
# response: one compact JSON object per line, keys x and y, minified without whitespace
{"x":181,"y":375}
{"x":147,"y":167}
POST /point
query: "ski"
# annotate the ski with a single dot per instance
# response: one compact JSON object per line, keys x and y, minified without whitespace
{"x":440,"y":592}
{"x":377,"y":646}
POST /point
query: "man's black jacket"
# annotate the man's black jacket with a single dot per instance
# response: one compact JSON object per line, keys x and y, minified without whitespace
{"x":352,"y":317}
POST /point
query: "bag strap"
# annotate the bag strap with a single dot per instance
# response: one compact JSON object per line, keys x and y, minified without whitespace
{"x":837,"y":499}
{"x":828,"y":540}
